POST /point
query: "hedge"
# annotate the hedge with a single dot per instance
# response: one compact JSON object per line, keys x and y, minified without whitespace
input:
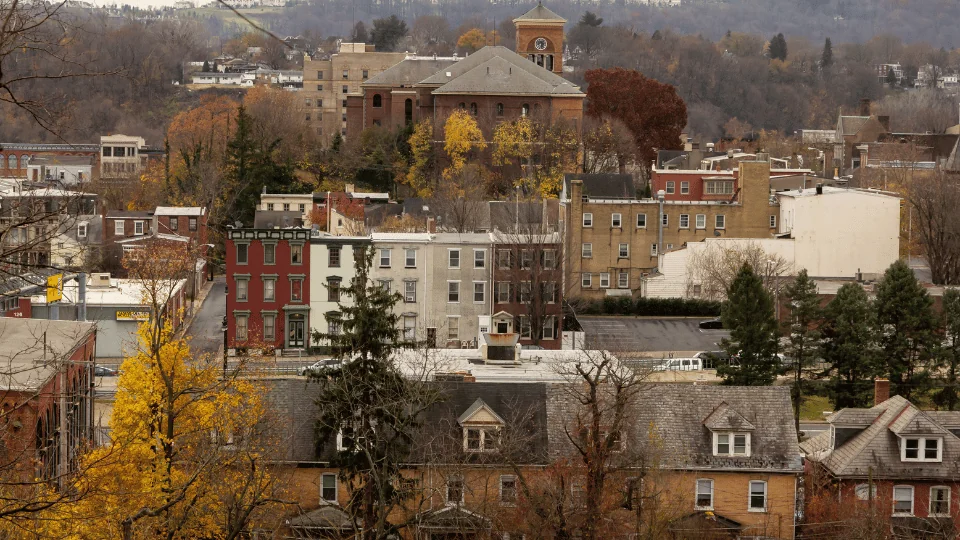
{"x":650,"y":307}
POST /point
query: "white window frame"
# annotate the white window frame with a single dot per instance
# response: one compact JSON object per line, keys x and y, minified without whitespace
{"x":245,"y":288}
{"x":671,"y":187}
{"x":446,"y":491}
{"x":524,"y":328}
{"x":453,"y":286}
{"x":588,"y":219}
{"x":482,"y":290}
{"x":410,"y":297}
{"x":863,"y":491}
{"x":451,"y":336}
{"x":119,"y":229}
{"x":731,"y":443}
{"x":665,"y":219}
{"x":450,"y":261}
{"x":340,"y":445}
{"x":623,"y":280}
{"x":701,"y":222}
{"x":720,"y":221}
{"x":684,"y":187}
{"x":750,"y":507}
{"x":386,"y":254}
{"x":921,"y":449}
{"x":641,"y":217}
{"x":479,"y":258}
{"x":604,"y":280}
{"x":514,"y":479}
{"x":549,"y":322}
{"x":503,"y":292}
{"x":484,"y":431}
{"x":623,"y":251}
{"x":697,"y":492}
{"x":894,"y":501}
{"x":684,"y":221}
{"x":272,"y":288}
{"x":586,"y":280}
{"x":773,"y":222}
{"x":586,"y":250}
{"x":407,"y":257}
{"x":653,"y":250}
{"x":616,"y":220}
{"x":323,"y":487}
{"x":241,"y":336}
{"x":82,"y":230}
{"x":930,"y":511}
{"x":272,"y":259}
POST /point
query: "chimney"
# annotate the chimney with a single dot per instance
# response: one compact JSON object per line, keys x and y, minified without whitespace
{"x":881,"y":391}
{"x":865,"y":107}
{"x":884,"y":121}
{"x":431,"y":225}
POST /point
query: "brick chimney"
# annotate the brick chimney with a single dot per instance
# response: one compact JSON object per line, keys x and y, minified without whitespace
{"x":865,"y":107}
{"x":881,"y":391}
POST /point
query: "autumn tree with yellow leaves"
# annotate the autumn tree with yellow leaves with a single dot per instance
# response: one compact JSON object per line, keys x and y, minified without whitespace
{"x":188,"y":438}
{"x":512,"y":148}
{"x":461,"y":136}
{"x":419,"y":174}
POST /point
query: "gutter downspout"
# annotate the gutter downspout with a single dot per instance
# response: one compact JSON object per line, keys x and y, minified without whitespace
{"x":660,"y":196}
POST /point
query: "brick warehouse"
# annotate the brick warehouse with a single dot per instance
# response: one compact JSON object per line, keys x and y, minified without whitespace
{"x":612,"y":245}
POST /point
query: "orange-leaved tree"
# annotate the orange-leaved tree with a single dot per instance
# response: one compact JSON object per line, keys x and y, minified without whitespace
{"x":461,"y":136}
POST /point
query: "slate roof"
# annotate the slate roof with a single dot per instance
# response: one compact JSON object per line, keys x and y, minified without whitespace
{"x":875,"y":449}
{"x":675,"y":414}
{"x":540,"y":13}
{"x":501,"y":59}
{"x":726,"y":418}
{"x":850,"y":125}
{"x":409,"y":71}
{"x":504,"y":76}
{"x":603,"y":186}
{"x":327,"y":517}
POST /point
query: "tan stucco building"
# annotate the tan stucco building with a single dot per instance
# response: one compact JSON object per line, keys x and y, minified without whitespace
{"x":328,"y":81}
{"x":613,"y":244}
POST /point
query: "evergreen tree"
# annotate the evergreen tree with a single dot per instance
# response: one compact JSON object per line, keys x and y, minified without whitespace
{"x":749,"y":314}
{"x":849,"y":347}
{"x":590,"y":19}
{"x":906,"y":328}
{"x":366,"y":401}
{"x":948,"y":397}
{"x":826,"y":59}
{"x":778,"y":47}
{"x":804,"y":333}
{"x":387,"y":33}
{"x":891,"y":77}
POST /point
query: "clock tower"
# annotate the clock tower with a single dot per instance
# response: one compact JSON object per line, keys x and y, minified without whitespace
{"x":540,"y":38}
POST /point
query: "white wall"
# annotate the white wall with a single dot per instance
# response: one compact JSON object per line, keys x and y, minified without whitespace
{"x":320,"y":270}
{"x":842,"y":231}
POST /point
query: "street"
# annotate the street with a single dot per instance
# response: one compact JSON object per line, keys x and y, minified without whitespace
{"x":206,"y":331}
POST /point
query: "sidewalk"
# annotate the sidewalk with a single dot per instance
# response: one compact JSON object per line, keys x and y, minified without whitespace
{"x":195,"y":307}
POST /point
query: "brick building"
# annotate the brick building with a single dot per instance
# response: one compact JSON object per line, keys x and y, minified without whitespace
{"x":268,"y":300}
{"x":47,"y":398}
{"x":612,"y":244}
{"x":540,"y":37}
{"x":527,"y":288}
{"x":15,"y":157}
{"x":494,"y":84}
{"x":707,"y":185}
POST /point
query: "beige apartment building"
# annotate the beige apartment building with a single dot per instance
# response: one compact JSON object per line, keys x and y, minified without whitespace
{"x":327,"y":82}
{"x":613,"y":245}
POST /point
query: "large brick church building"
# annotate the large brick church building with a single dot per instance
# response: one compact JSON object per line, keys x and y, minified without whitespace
{"x":494,"y":84}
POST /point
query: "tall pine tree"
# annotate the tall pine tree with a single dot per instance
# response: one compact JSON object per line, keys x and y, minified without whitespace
{"x":804,"y":334}
{"x":948,"y":397}
{"x":366,"y":404}
{"x":849,"y":347}
{"x":749,"y":314}
{"x":778,"y":47}
{"x":907,"y":329}
{"x":826,"y":58}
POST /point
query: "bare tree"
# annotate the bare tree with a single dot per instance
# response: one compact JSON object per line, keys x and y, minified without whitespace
{"x":459,"y":204}
{"x":711,"y":269}
{"x":934,"y":204}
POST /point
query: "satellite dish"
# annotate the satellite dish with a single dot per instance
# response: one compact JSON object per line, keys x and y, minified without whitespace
{"x":238,"y":224}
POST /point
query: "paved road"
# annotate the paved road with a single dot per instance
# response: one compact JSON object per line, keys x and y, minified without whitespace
{"x":812,"y":429}
{"x":206,"y":331}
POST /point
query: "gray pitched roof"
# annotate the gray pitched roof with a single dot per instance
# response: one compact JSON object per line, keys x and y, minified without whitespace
{"x":850,"y":125}
{"x":726,"y":418}
{"x":540,"y":13}
{"x":854,"y":417}
{"x":500,"y":75}
{"x":327,"y":517}
{"x":875,"y":449}
{"x":409,"y":72}
{"x":603,"y":186}
{"x":671,"y":417}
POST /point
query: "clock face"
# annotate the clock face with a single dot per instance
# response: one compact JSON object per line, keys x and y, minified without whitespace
{"x":540,"y":43}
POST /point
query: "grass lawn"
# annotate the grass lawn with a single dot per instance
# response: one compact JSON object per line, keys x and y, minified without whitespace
{"x":813,"y":406}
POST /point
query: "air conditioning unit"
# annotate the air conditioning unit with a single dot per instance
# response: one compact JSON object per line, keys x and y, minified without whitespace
{"x":100,"y":280}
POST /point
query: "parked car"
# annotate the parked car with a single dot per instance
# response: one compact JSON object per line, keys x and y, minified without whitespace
{"x":104,"y":371}
{"x":712,"y":324}
{"x":318,"y":365}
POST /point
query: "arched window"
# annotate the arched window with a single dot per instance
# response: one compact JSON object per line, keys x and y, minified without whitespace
{"x":377,"y":101}
{"x":499,"y":109}
{"x":24,"y":161}
{"x":473,"y":109}
{"x":408,"y":111}
{"x":2,"y":161}
{"x":549,"y":65}
{"x":462,"y":105}
{"x":12,"y":161}
{"x":525,"y":110}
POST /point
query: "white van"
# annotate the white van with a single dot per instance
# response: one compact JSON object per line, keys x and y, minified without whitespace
{"x":681,"y":364}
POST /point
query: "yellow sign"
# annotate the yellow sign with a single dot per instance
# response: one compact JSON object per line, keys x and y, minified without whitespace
{"x":54,"y":288}
{"x":133,"y":315}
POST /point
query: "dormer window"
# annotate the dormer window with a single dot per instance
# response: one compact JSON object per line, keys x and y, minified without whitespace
{"x":731,"y":444}
{"x":481,"y":439}
{"x":928,"y":449}
{"x":481,"y":428}
{"x":347,"y":439}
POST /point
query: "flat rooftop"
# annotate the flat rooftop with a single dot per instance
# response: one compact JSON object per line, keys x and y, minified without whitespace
{"x":33,"y":347}
{"x":624,"y":334}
